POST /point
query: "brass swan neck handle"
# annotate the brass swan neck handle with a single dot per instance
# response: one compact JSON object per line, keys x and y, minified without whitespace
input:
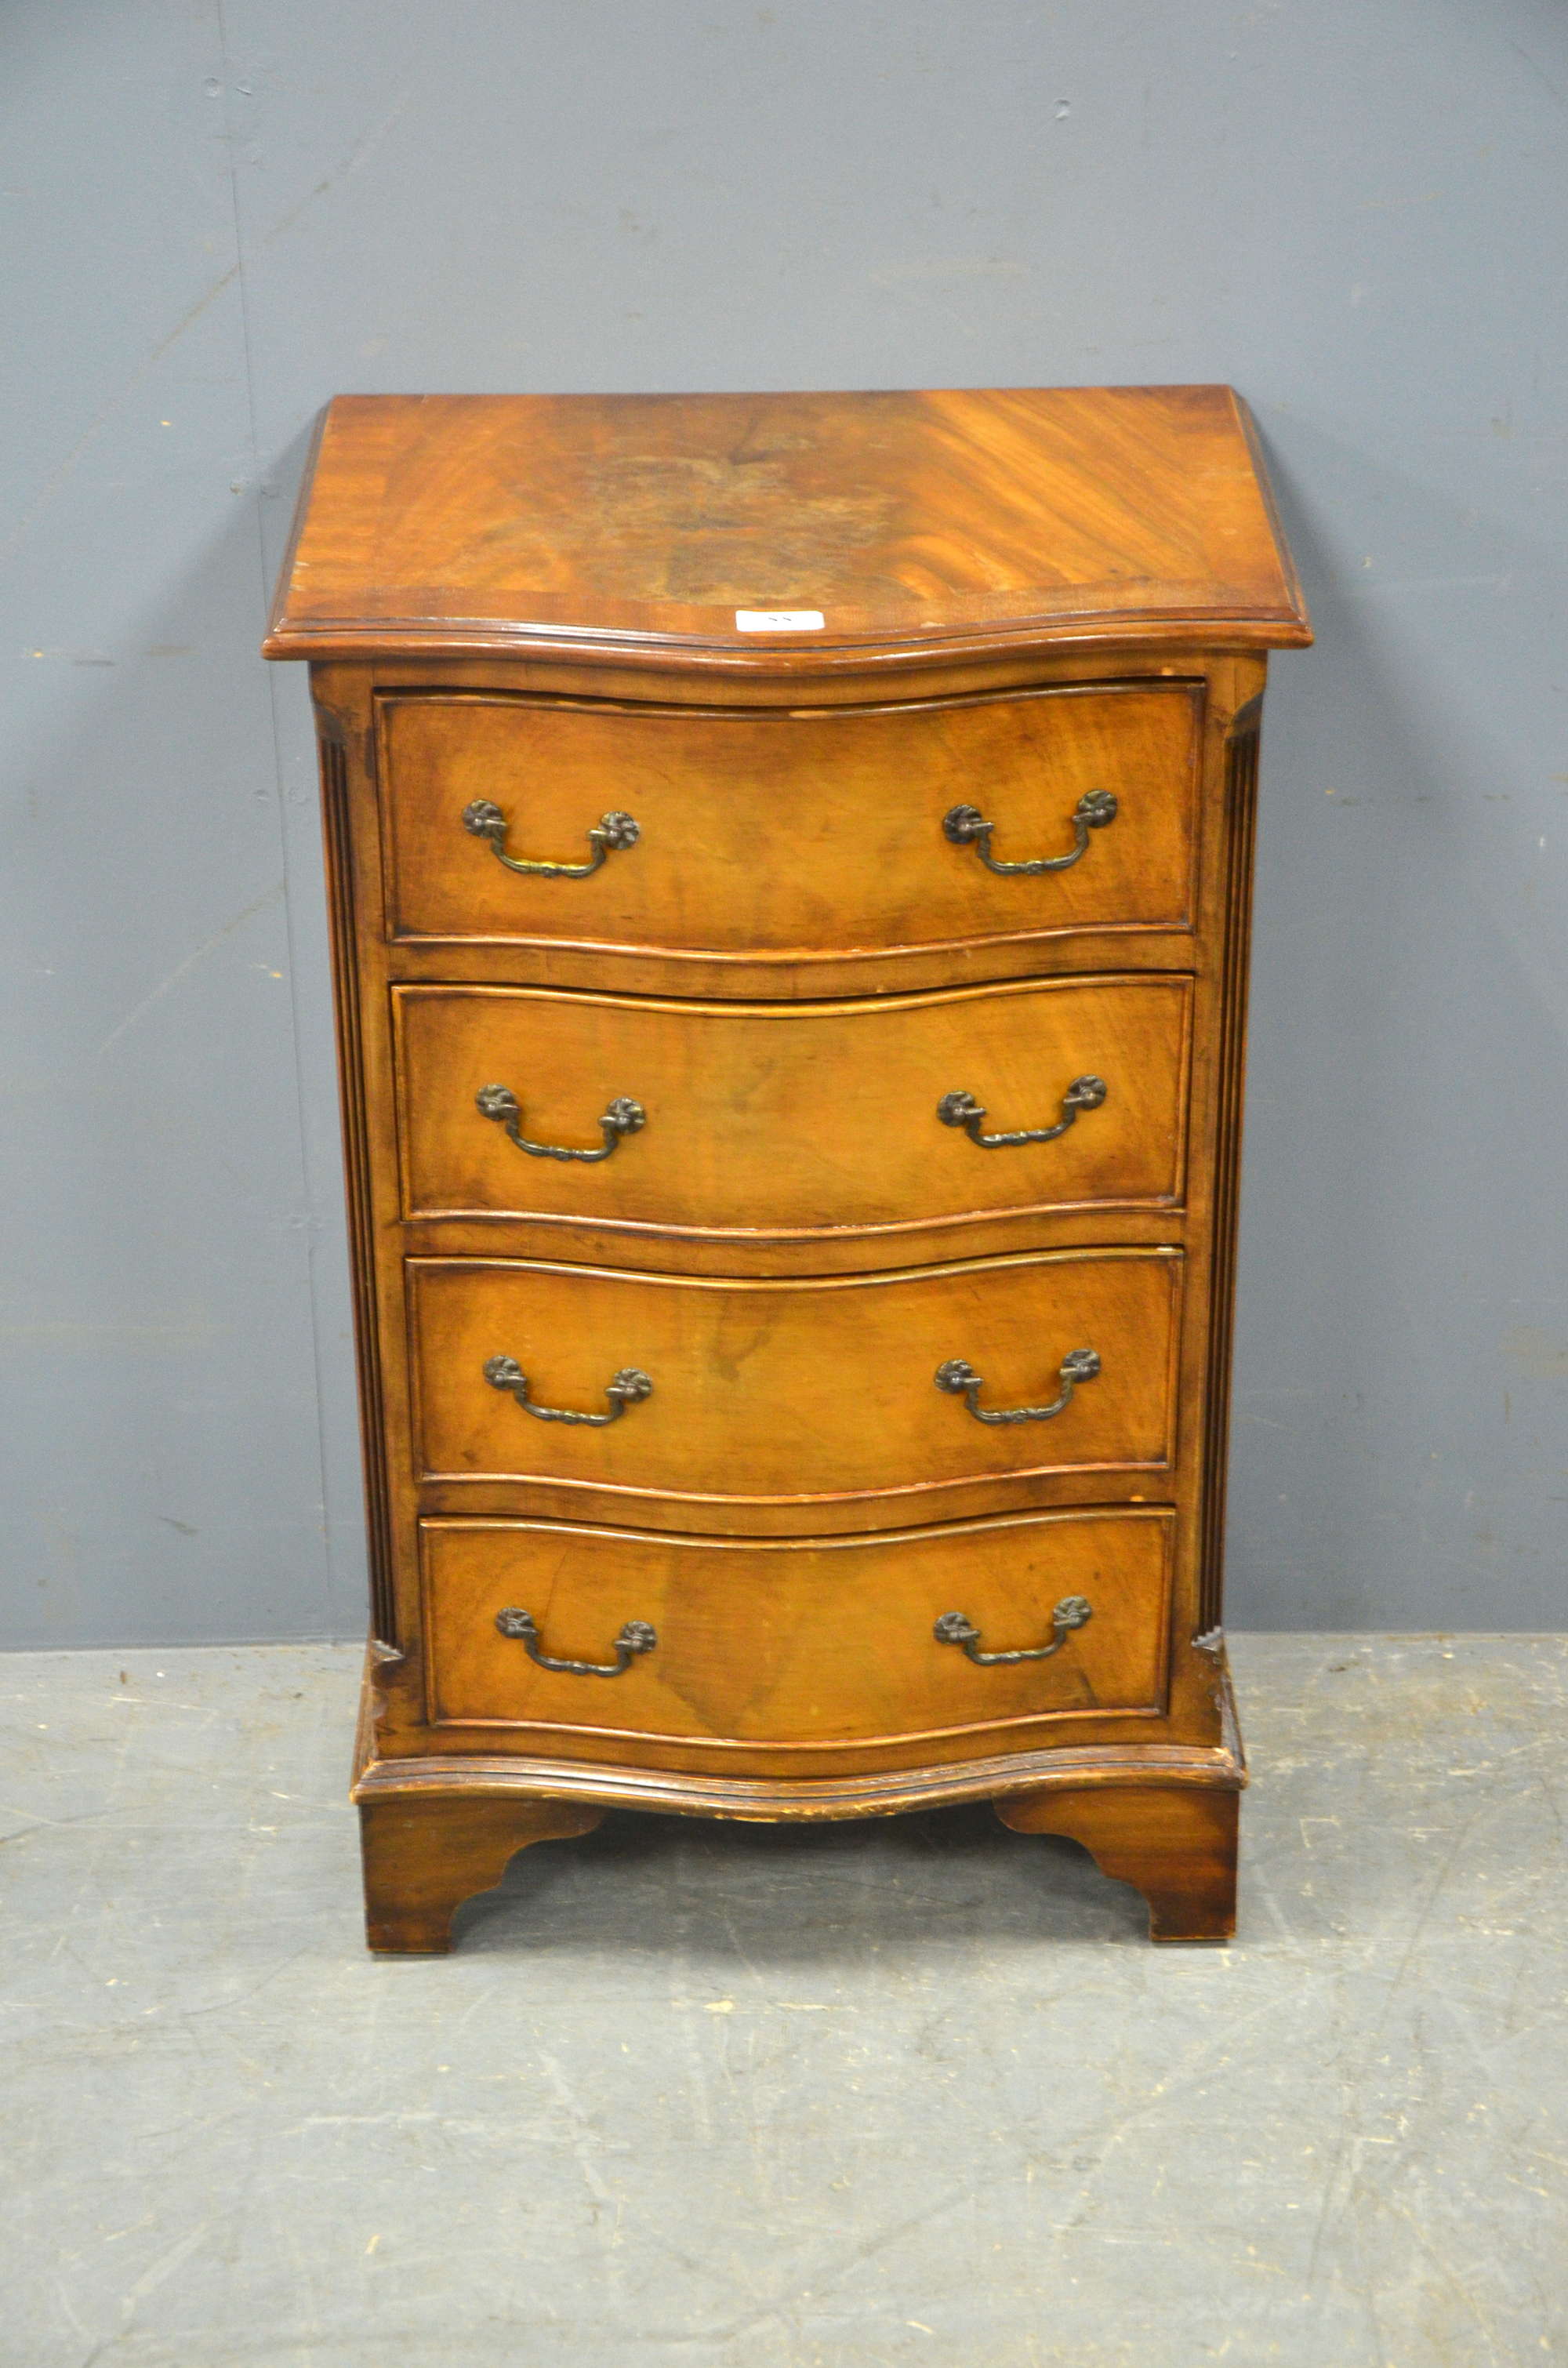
{"x":967,"y":826}
{"x":486,"y":821}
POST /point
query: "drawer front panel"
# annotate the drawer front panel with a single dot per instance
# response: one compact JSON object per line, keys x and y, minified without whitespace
{"x":789,"y":834}
{"x":793,"y":1121}
{"x":781,"y":1393}
{"x":803,"y":1642}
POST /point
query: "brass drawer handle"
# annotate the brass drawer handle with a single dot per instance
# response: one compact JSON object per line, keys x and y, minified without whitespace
{"x":628,"y":1388}
{"x":623,"y":1117}
{"x":960,"y":1379}
{"x":963,"y":1109}
{"x":636,"y":1637}
{"x":612,"y":830}
{"x":953,"y":1628}
{"x":967,"y":826}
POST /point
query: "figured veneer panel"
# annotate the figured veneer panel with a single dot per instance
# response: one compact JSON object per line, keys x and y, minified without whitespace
{"x":790,"y":833}
{"x":786,"y":1393}
{"x":793,"y":1120}
{"x":934,"y":520}
{"x":801,"y":1642}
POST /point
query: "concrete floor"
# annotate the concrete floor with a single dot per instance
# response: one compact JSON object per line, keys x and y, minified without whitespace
{"x":905,"y":2092}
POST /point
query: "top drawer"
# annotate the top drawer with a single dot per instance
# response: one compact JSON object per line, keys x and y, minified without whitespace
{"x":790,"y":835}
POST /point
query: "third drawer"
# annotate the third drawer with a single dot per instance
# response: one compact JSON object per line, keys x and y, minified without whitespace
{"x":735,"y":1400}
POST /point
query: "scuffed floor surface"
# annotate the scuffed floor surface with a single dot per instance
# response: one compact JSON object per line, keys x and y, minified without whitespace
{"x":719,"y":2097}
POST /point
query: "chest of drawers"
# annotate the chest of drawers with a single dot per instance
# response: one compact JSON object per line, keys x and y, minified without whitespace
{"x":789,"y":864}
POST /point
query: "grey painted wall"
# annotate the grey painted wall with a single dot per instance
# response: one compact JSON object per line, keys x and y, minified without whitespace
{"x":221,"y":214}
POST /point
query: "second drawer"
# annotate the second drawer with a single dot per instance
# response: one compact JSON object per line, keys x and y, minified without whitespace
{"x":733,"y":1120}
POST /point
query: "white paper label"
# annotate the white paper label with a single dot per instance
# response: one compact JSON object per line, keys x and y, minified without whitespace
{"x":779,"y":621}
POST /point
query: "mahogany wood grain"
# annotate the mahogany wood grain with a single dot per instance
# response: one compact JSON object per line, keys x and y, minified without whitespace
{"x":792,"y":833}
{"x":795,"y":1393}
{"x":929,"y":522}
{"x":804,"y":1121}
{"x":803,"y":1642}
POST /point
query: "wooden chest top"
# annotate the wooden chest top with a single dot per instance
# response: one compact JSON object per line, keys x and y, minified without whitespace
{"x":655,"y":526}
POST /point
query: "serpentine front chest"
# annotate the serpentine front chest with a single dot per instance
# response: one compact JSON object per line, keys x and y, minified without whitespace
{"x":789,"y":862}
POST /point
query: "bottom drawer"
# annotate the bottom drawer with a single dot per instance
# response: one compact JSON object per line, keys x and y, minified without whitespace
{"x":803,"y":1642}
